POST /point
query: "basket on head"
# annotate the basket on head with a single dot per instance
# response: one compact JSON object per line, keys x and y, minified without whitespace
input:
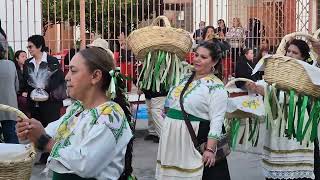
{"x":19,"y":167}
{"x":154,"y":37}
{"x":287,"y":73}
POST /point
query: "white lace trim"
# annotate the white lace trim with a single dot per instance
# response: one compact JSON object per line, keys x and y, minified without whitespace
{"x":288,"y":174}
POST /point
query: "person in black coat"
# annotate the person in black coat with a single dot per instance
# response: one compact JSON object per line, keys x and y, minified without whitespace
{"x":244,"y":68}
{"x":49,"y":110}
{"x":20,"y":58}
{"x":198,"y":34}
{"x":222,"y":29}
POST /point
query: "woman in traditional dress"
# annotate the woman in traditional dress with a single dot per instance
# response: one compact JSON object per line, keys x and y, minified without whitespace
{"x":286,"y":158}
{"x":90,"y":140}
{"x":205,"y":100}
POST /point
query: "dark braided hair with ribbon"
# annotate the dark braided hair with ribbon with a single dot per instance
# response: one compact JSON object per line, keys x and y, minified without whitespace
{"x":99,"y":58}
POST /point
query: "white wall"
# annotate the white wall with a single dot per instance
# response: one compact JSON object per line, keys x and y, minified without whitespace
{"x":20,"y":23}
{"x":201,"y":11}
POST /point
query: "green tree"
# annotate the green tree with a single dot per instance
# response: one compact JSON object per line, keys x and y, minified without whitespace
{"x":102,"y":16}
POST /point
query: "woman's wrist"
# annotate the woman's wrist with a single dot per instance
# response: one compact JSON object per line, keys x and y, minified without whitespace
{"x":212,"y":150}
{"x":43,"y":141}
{"x":50,"y":145}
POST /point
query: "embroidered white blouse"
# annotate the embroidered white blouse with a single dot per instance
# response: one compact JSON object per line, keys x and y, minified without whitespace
{"x":90,"y":142}
{"x":205,"y":98}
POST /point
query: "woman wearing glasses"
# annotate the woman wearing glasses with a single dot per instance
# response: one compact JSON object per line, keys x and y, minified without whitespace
{"x":35,"y":68}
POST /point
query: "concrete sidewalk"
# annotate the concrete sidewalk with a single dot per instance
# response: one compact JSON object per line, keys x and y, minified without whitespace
{"x":242,"y":166}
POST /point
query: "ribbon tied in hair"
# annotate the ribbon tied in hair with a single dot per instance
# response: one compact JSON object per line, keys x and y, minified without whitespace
{"x":112,"y":86}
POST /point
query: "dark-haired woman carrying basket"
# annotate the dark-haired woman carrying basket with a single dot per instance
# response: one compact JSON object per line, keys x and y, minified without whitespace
{"x":202,"y":99}
{"x":90,"y":140}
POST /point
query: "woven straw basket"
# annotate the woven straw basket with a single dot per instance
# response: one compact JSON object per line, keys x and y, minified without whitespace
{"x":17,"y":169}
{"x":154,"y":37}
{"x":316,"y":36}
{"x":238,"y":113}
{"x":287,"y":73}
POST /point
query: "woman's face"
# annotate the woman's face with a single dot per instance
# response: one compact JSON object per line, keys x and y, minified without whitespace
{"x":22,"y":58}
{"x":249,"y":55}
{"x":294,"y":52}
{"x":210,"y":31}
{"x":221,"y":24}
{"x":203,"y":62}
{"x":33,"y":50}
{"x":79,"y":78}
{"x":235,"y":22}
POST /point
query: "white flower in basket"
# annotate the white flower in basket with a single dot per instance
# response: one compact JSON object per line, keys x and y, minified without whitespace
{"x":39,"y":81}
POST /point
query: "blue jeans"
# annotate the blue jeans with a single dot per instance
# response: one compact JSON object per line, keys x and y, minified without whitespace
{"x":8,"y":130}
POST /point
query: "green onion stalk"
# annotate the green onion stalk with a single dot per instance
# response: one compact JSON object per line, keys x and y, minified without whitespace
{"x":250,"y":133}
{"x":293,"y":115}
{"x":289,"y":114}
{"x":161,"y":69}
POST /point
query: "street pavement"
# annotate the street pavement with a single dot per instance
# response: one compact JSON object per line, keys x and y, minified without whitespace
{"x":242,"y":166}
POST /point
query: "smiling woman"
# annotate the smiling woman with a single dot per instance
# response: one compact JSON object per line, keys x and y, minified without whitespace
{"x":195,"y":100}
{"x":90,"y":140}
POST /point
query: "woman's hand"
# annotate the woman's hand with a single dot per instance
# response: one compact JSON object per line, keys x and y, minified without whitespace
{"x":208,"y":158}
{"x":250,"y":86}
{"x":22,"y":129}
{"x":209,"y":155}
{"x":122,"y":40}
{"x":30,"y":129}
{"x":35,"y":131}
{"x":316,"y":47}
{"x":24,"y":94}
{"x":260,"y":90}
{"x":139,"y":92}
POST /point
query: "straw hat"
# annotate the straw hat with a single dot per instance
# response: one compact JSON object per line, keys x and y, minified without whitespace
{"x":101,"y":43}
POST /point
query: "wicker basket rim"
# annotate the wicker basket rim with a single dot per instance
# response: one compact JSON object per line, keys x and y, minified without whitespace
{"x":289,"y":37}
{"x":30,"y":157}
{"x":165,"y":41}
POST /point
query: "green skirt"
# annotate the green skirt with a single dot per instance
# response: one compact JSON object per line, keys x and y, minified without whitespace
{"x":57,"y":176}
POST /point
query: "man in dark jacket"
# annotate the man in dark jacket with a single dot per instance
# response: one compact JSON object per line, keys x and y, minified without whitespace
{"x":197,"y":36}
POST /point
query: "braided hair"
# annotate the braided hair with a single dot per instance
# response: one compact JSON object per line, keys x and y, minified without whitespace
{"x":99,"y":58}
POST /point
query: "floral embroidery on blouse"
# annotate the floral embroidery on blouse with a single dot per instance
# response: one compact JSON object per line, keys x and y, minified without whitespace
{"x":109,"y":114}
{"x":114,"y":113}
{"x":205,"y":98}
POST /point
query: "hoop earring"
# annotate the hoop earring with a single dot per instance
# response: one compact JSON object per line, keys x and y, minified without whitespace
{"x":213,"y":69}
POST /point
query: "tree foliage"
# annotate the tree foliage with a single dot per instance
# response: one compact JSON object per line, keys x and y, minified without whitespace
{"x":102,"y":16}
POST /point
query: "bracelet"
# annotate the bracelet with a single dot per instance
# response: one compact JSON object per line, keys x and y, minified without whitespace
{"x":211,"y":150}
{"x":43,"y":141}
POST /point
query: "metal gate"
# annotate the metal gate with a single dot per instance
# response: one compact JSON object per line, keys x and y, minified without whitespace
{"x":69,"y":25}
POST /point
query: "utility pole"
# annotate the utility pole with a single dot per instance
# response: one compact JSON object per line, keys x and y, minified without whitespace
{"x":82,"y":24}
